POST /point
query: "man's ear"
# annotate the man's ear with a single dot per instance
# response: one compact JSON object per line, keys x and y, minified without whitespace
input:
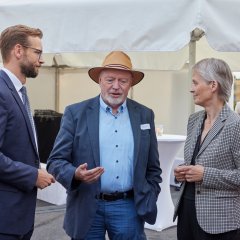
{"x":17,"y":50}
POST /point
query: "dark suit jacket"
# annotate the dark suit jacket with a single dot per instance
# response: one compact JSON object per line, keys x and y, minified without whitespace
{"x":217,"y":197}
{"x":78,"y":142}
{"x":18,"y":162}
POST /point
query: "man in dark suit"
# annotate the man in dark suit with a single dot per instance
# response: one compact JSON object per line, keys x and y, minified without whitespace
{"x":20,"y":175}
{"x":106,"y":156}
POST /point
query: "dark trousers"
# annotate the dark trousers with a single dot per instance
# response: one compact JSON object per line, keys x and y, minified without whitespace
{"x":26,"y":236}
{"x":189,"y":229}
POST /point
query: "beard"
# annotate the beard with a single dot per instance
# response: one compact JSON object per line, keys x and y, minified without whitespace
{"x":114,"y":101}
{"x":28,"y":70}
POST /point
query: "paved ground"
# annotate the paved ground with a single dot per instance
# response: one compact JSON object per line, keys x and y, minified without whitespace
{"x":49,"y":220}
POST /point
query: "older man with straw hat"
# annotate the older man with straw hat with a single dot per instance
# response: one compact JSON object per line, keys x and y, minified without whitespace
{"x":106,"y":156}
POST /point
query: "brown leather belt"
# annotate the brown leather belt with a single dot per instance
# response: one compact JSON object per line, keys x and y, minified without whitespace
{"x":115,"y":196}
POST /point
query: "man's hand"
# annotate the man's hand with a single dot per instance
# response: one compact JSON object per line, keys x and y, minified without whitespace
{"x":88,"y":176}
{"x":44,"y":179}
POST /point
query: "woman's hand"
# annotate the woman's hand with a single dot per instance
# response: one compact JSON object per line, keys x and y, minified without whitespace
{"x":190,"y":173}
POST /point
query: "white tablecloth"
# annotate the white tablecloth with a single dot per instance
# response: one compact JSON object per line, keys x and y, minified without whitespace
{"x":168,"y":147}
{"x":55,"y":194}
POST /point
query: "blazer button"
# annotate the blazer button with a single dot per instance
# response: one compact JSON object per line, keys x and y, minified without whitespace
{"x":198,"y":192}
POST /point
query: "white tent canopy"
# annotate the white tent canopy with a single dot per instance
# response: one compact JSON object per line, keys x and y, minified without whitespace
{"x":129,"y":25}
{"x":162,"y":27}
{"x":159,"y":28}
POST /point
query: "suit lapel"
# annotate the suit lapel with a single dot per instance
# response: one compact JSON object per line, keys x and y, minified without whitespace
{"x":216,"y":128}
{"x":135,"y":120}
{"x":27,"y":120}
{"x":93,"y":128}
{"x":196,"y":131}
{"x":21,"y":106}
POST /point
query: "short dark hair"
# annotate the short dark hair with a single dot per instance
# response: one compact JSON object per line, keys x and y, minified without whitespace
{"x":17,"y":34}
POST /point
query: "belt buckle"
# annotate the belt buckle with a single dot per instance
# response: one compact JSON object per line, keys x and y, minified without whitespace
{"x":103,"y":196}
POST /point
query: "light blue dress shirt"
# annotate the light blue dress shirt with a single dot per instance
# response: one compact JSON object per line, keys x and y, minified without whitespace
{"x":116,"y":149}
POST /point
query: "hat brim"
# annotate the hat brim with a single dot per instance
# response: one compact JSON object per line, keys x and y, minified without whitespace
{"x":95,"y":72}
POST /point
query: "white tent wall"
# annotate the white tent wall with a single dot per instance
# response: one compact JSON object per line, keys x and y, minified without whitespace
{"x":129,"y":25}
{"x":165,"y":87}
{"x":41,"y":91}
{"x":76,"y":86}
{"x":164,"y":91}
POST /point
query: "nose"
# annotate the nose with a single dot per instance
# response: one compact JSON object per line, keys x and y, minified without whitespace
{"x":115,"y":84}
{"x":41,"y":60}
{"x":191,"y":89}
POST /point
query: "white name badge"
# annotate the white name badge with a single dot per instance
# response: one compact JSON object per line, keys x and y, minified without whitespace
{"x":145,"y":126}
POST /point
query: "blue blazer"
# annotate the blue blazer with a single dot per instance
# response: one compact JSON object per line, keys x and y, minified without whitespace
{"x":78,"y":142}
{"x":19,"y":162}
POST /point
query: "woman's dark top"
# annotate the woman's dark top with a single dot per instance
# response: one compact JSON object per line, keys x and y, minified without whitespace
{"x":189,"y":191}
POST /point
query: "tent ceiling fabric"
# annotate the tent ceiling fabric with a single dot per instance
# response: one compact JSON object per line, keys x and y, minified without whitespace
{"x":129,"y":25}
{"x":140,"y":60}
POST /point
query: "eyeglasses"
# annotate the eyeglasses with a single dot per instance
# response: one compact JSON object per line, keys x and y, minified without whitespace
{"x":37,"y":51}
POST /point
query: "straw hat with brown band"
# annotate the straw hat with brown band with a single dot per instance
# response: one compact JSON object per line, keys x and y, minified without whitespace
{"x":116,"y":60}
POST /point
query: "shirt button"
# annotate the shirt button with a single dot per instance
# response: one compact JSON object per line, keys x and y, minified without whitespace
{"x":116,"y":161}
{"x":117,"y":177}
{"x":116,"y":145}
{"x":198,"y":192}
{"x":115,"y":130}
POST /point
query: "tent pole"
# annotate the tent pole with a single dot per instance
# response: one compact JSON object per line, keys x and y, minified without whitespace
{"x":57,"y":88}
{"x":131,"y":92}
{"x":192,"y":61}
{"x":196,"y":34}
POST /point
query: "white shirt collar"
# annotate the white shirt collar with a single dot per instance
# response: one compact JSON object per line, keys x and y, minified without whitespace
{"x":16,"y":82}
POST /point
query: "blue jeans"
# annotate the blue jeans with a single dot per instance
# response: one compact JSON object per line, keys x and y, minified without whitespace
{"x":119,"y":219}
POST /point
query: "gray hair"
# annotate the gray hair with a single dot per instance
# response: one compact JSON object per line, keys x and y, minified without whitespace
{"x":212,"y":69}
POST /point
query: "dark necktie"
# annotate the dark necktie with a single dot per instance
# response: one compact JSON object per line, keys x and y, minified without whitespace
{"x":27,"y":107}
